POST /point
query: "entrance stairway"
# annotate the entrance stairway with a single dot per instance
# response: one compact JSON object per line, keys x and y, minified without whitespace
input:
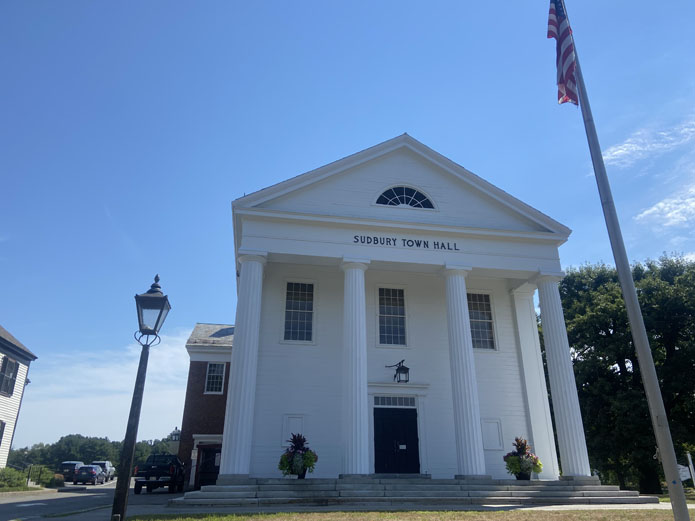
{"x":384,"y":490}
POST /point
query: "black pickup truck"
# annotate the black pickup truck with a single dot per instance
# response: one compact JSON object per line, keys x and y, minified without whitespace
{"x":160,"y":470}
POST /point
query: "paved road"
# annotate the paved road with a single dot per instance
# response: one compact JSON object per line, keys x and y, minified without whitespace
{"x":72,"y":504}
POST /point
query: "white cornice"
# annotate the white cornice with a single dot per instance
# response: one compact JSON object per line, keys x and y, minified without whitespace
{"x":280,"y":215}
{"x":209,"y":353}
{"x":393,"y":386}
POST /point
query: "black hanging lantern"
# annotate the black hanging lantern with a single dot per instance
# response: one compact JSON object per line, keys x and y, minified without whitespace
{"x":153,"y":307}
{"x":402,"y":374}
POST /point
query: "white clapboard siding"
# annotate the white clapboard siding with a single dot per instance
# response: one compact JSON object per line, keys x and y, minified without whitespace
{"x":355,"y":191}
{"x":9,"y":408}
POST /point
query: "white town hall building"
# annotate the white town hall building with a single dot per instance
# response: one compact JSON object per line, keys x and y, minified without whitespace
{"x":397,"y":253}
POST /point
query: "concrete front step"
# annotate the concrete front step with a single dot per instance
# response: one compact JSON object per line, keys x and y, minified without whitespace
{"x":291,"y":481}
{"x":402,"y":502}
{"x":419,"y":490}
{"x":308,"y":486}
{"x":392,"y":488}
{"x":402,"y":494}
{"x":297,"y":493}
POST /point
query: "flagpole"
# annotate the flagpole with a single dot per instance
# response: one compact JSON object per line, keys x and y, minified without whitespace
{"x":634,"y":313}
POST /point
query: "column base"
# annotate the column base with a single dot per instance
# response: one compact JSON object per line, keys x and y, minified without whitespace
{"x":385,"y":476}
{"x":591,"y":480}
{"x":234,"y":479}
{"x":472,"y":476}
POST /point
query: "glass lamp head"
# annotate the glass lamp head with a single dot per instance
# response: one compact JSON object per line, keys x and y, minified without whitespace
{"x":153,"y":307}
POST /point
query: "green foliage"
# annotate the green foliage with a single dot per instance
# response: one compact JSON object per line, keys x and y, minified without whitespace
{"x":11,"y":478}
{"x":40,"y":474}
{"x":75,"y":447}
{"x":297,"y":457}
{"x":618,"y":428}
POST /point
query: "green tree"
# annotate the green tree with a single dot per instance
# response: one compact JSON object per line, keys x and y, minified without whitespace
{"x":620,"y":437}
{"x":76,"y":447}
{"x":38,"y":454}
{"x":81,"y":448}
{"x":144,"y":448}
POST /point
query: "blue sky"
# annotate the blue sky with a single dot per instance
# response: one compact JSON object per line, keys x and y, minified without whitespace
{"x":128,"y":128}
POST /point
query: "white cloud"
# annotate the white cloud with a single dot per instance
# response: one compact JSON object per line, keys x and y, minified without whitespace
{"x":674,"y":211}
{"x":89,"y":393}
{"x":648,"y":143}
{"x":690,"y":256}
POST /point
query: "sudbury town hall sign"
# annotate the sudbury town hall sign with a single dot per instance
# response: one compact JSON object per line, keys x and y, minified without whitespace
{"x":424,"y":244}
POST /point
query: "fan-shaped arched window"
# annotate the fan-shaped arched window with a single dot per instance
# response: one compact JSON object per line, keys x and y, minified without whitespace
{"x":404,"y":196}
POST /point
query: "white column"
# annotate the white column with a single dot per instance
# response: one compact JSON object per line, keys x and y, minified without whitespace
{"x":464,"y":386}
{"x":574,"y":458}
{"x":539,"y":419}
{"x":238,"y":421}
{"x":355,"y":372}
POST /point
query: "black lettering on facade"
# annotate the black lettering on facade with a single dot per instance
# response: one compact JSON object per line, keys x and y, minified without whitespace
{"x":406,"y":243}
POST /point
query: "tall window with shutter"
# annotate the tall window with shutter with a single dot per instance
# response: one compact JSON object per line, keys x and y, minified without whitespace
{"x":8,"y":375}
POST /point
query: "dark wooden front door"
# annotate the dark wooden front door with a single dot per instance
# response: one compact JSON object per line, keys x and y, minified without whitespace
{"x":395,"y":441}
{"x":209,"y":466}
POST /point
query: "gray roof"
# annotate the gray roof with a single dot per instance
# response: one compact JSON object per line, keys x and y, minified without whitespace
{"x":212,"y":335}
{"x":6,"y":338}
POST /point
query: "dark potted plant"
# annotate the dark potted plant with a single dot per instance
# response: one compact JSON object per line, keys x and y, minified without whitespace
{"x":521,"y":461}
{"x":298,"y":458}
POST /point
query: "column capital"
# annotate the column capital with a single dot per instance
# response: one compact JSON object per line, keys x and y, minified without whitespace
{"x":548,"y":276}
{"x":247,"y":256}
{"x":349,"y":263}
{"x":453,"y":269}
{"x":525,"y":288}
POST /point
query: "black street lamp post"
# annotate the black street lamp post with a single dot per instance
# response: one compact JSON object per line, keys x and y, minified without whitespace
{"x":153,"y":307}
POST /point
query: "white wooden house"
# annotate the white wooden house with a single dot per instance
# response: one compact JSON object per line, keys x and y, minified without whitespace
{"x":14,"y":367}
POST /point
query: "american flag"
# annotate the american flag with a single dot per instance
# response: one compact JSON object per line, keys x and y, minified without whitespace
{"x":559,"y":28}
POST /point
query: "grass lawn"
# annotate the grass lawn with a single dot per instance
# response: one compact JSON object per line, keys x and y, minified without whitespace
{"x":514,"y":515}
{"x":689,"y":498}
{"x":18,"y":489}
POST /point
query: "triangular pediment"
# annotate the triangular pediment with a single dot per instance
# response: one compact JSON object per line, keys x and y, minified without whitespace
{"x":351,"y":187}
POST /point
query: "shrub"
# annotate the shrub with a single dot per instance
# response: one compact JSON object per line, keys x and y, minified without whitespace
{"x":11,"y":478}
{"x":57,"y":481}
{"x":41,"y":475}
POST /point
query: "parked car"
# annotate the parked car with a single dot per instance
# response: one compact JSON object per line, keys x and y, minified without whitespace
{"x":89,"y":474}
{"x":160,"y":470}
{"x":68,"y":468}
{"x":107,"y":467}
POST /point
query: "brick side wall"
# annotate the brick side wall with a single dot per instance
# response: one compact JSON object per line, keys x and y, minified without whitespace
{"x":202,"y":413}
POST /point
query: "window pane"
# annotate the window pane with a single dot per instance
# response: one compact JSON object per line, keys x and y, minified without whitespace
{"x":480,"y":311}
{"x":215,"y":378}
{"x":299,"y":307}
{"x":404,"y":195}
{"x":391,"y":316}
